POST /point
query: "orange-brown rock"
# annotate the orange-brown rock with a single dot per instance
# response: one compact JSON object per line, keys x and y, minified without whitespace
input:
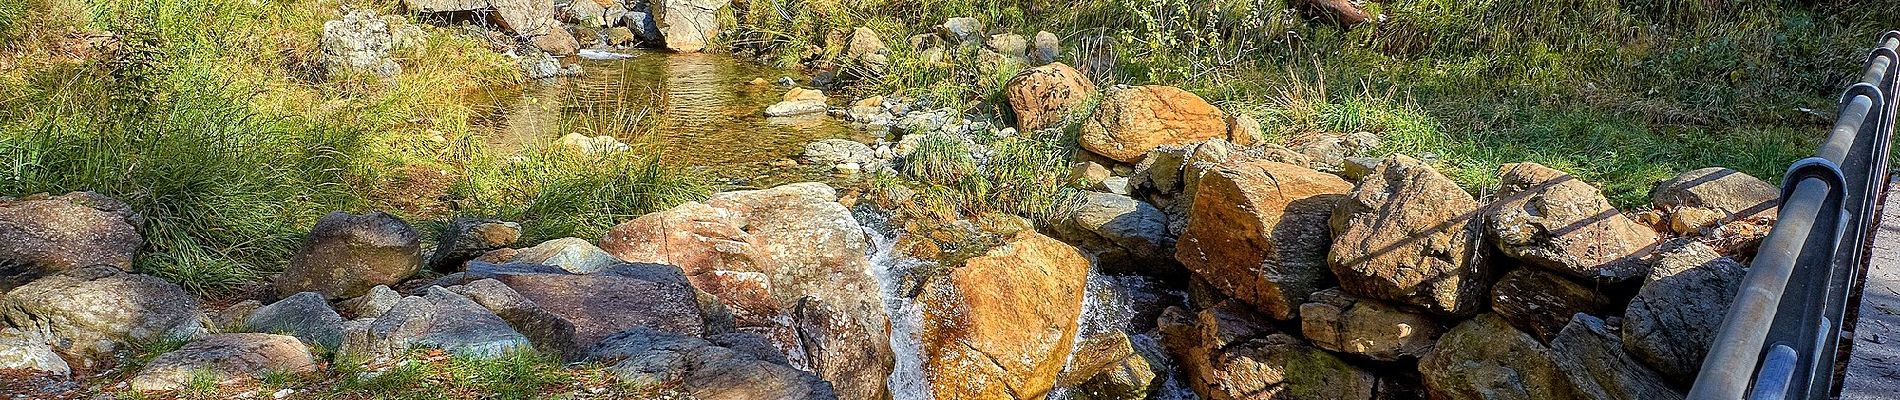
{"x":1407,"y":234}
{"x":1258,"y":232}
{"x":1001,"y":325}
{"x":1043,"y":97}
{"x":1131,"y":121}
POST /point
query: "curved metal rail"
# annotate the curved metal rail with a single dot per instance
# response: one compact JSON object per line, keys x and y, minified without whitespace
{"x":1780,"y":336}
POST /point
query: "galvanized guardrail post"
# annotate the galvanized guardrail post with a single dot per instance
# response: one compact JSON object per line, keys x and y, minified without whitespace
{"x":1782,"y":330}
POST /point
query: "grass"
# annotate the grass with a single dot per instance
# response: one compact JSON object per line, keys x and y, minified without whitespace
{"x":1621,"y":93}
{"x":428,"y":374}
{"x":213,"y":119}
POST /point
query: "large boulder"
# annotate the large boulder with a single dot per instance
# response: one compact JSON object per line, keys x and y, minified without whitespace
{"x":1673,"y":320}
{"x":702,"y":369}
{"x":437,"y":319}
{"x":347,"y":254}
{"x":1001,"y":325}
{"x":1595,"y":363}
{"x":1226,"y":353}
{"x":360,"y":41}
{"x":1708,"y":196}
{"x":687,"y":26}
{"x":790,"y":263}
{"x":1132,"y":120}
{"x":1123,"y":234}
{"x":1541,"y":302}
{"x":41,"y":235}
{"x":229,"y":359}
{"x":1552,"y":220}
{"x":93,"y":311}
{"x":1485,"y":358}
{"x":1338,"y":322}
{"x":1408,"y":234}
{"x":1258,"y":232}
{"x":1044,"y":97}
{"x":305,"y":316}
{"x":613,"y":300}
{"x":549,"y":332}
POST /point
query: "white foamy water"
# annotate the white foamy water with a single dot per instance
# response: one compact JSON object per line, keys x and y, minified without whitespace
{"x":907,"y":317}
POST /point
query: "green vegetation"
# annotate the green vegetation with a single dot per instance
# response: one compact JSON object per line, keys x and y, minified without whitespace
{"x":422,"y":374}
{"x":1024,"y":175}
{"x":213,"y":119}
{"x":1623,"y":93}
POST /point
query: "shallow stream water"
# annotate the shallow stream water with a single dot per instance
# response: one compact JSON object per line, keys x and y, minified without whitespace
{"x":700,"y":111}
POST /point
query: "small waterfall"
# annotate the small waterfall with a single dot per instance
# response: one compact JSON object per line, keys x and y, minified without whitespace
{"x":907,"y":317}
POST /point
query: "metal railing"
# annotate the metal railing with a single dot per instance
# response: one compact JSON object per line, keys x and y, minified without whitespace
{"x":1779,"y":338}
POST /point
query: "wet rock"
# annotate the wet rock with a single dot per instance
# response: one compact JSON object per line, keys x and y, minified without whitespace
{"x":305,"y":316}
{"x":21,"y":352}
{"x":1408,"y":234}
{"x":573,"y":255}
{"x":961,"y":30}
{"x":229,"y":359}
{"x":1328,"y":153}
{"x":838,"y":151}
{"x":1047,"y":48}
{"x":437,"y":319}
{"x":1227,"y":353}
{"x":1130,"y":121}
{"x":687,"y":26}
{"x":93,"y":311}
{"x":1106,"y":367}
{"x":1123,"y":234}
{"x":548,"y":332}
{"x":360,"y":41}
{"x":643,"y":26}
{"x":378,"y":301}
{"x":1594,"y":361}
{"x":702,"y":369}
{"x":42,"y":236}
{"x":1485,"y":358}
{"x":1542,"y":302}
{"x":1550,"y":219}
{"x":1704,"y":197}
{"x":778,"y":258}
{"x":539,"y":65}
{"x":1258,"y":231}
{"x":600,"y":304}
{"x":466,"y":238}
{"x":347,"y":254}
{"x":795,"y":108}
{"x":1001,"y":325}
{"x":1338,"y":322}
{"x":1672,"y":321}
{"x":1046,"y":96}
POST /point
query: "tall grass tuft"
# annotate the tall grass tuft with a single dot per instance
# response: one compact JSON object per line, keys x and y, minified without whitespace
{"x":1024,"y":175}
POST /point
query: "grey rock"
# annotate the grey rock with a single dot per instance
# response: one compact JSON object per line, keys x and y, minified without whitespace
{"x":687,"y":25}
{"x":573,"y":255}
{"x":306,"y":316}
{"x":961,"y":30}
{"x":1672,"y":321}
{"x":1594,"y":360}
{"x":536,"y":64}
{"x":643,"y":26}
{"x":437,"y":319}
{"x":1541,"y":302}
{"x":229,"y":359}
{"x":378,"y":301}
{"x":838,"y":151}
{"x":1009,"y":45}
{"x":549,"y":332}
{"x":1328,"y":153}
{"x":18,"y":351}
{"x":1485,"y":358}
{"x":1048,"y":48}
{"x":347,"y":254}
{"x":41,"y":236}
{"x":600,"y":304}
{"x":1122,"y":233}
{"x":704,"y":370}
{"x":92,"y":311}
{"x":361,"y":41}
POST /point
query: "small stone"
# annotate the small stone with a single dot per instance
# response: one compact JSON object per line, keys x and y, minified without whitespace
{"x":307,"y":316}
{"x":573,"y":255}
{"x":378,"y":301}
